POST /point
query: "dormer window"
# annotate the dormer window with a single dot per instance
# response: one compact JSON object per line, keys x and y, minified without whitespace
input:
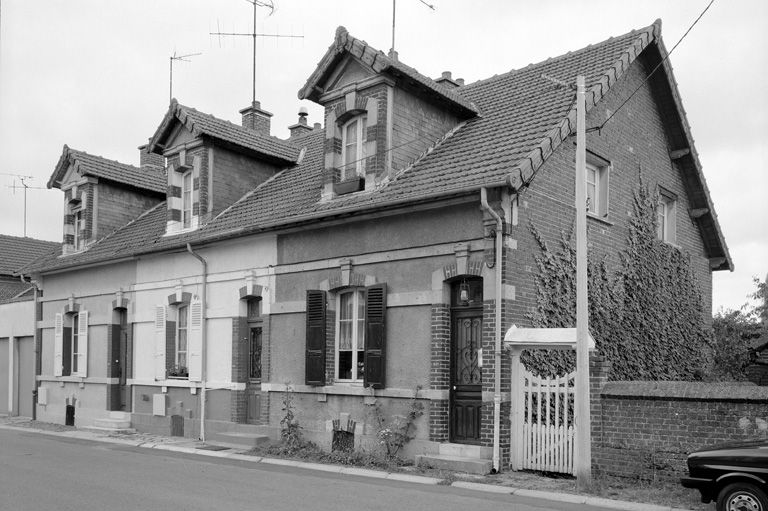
{"x":186,"y":200}
{"x":353,"y":148}
{"x":79,"y":239}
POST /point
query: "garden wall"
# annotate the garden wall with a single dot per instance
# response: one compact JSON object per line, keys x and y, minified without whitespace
{"x":646,"y":429}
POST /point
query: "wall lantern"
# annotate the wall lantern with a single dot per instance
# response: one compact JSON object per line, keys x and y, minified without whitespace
{"x":464,"y":293}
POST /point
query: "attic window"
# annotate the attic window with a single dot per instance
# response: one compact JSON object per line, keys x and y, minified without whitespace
{"x":353,"y":148}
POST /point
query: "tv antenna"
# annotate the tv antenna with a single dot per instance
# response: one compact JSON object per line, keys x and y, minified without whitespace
{"x":25,"y":187}
{"x":180,"y":58}
{"x":269,"y":4}
{"x":392,"y":52}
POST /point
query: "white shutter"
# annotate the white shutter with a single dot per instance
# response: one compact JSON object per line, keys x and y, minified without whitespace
{"x":82,"y":344}
{"x":58,"y":344}
{"x":160,"y":342}
{"x":195,"y":341}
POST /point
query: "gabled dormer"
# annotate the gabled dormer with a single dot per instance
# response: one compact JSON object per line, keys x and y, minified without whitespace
{"x":211,"y":163}
{"x":380,"y":115}
{"x":101,"y":195}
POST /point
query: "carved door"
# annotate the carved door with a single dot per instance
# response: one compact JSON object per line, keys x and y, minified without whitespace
{"x":466,"y":382}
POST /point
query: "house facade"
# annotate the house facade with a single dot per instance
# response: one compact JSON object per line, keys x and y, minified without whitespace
{"x":371,"y":261}
{"x":17,"y":324}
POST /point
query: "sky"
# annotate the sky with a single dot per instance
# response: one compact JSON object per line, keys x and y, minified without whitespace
{"x":94,"y":74}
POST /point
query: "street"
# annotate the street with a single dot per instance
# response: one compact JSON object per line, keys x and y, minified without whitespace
{"x":39,"y":472}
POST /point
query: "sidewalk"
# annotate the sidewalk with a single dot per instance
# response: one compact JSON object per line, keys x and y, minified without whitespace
{"x":189,"y":446}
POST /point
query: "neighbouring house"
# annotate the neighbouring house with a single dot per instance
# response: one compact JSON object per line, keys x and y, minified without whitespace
{"x":17,"y":323}
{"x":355,"y":264}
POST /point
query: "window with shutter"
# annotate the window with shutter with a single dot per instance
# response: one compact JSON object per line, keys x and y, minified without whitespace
{"x":315,"y":344}
{"x":160,"y":318}
{"x":195,"y":340}
{"x":82,"y":345}
{"x":350,"y":335}
{"x":375,"y":336}
{"x":58,"y":344}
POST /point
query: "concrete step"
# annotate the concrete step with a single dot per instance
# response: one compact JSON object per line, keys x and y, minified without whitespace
{"x":455,"y":463}
{"x":112,"y":423}
{"x":109,"y":431}
{"x":465,"y":450}
{"x":123,"y":416}
{"x":235,"y":438}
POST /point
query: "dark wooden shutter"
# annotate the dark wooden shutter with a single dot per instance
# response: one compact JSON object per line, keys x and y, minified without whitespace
{"x":315,"y":355}
{"x":375,"y":335}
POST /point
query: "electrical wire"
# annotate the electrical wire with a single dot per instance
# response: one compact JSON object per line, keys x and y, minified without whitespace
{"x":599,"y":128}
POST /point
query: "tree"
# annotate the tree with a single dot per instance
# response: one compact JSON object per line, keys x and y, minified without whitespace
{"x":738,"y":333}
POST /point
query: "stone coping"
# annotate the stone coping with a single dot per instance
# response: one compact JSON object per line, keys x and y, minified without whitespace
{"x":686,"y":391}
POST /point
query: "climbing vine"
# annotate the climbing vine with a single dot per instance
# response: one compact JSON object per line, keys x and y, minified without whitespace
{"x":647,"y":318}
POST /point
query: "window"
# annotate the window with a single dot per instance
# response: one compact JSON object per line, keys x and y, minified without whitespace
{"x":70,"y":344}
{"x":254,"y":353}
{"x":253,"y":312}
{"x":597,"y":187}
{"x":180,"y":357}
{"x":666,"y":213}
{"x":73,"y":342}
{"x":78,"y":241}
{"x":353,"y":148}
{"x":186,"y":200}
{"x":350,"y":335}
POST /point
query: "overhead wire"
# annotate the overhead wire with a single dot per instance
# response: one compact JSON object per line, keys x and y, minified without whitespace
{"x":666,"y":57}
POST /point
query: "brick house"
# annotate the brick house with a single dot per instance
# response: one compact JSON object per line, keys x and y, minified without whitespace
{"x":17,"y":323}
{"x":357,"y":262}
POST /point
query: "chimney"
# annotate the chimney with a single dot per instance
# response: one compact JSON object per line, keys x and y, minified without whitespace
{"x":317,"y":126}
{"x":256,"y":119}
{"x":147,"y":159}
{"x":301,"y":127}
{"x":448,"y":82}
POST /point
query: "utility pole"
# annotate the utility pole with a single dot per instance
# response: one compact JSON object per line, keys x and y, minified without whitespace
{"x":583,"y":454}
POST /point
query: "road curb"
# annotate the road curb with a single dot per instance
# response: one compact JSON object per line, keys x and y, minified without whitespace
{"x":570,"y":498}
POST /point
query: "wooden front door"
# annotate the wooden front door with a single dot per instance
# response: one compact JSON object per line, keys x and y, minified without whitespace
{"x":466,"y":378}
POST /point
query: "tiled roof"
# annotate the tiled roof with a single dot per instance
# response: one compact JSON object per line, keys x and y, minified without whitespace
{"x":524,"y":119}
{"x":148,"y":178}
{"x":202,"y":124}
{"x":378,"y":61}
{"x":14,"y":291}
{"x":16,"y":252}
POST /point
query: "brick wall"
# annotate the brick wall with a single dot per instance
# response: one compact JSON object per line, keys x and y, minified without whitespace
{"x":634,"y":141}
{"x":117,"y":206}
{"x":646,"y":429}
{"x":233,"y":176}
{"x":416,"y":125}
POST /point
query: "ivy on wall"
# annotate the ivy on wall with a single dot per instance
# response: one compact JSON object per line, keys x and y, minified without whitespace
{"x":646,"y":318}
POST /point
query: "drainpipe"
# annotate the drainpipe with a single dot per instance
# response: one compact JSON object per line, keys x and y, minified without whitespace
{"x":35,"y":340}
{"x":497,"y":330}
{"x":203,"y":304}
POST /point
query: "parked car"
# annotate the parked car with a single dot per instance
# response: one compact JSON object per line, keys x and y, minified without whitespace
{"x":735,"y":475}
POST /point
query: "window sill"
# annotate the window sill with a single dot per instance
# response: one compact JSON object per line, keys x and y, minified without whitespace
{"x":356,"y":184}
{"x":601,"y":219}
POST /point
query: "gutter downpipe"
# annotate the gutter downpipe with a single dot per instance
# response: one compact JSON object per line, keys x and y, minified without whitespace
{"x":497,"y":330}
{"x":35,"y":340}
{"x":204,"y":325}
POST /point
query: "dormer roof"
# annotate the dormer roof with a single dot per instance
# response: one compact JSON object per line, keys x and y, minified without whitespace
{"x":149,"y":179}
{"x":244,"y":140}
{"x":378,"y":62}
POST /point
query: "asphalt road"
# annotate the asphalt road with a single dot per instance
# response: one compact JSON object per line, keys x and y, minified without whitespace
{"x":39,"y":472}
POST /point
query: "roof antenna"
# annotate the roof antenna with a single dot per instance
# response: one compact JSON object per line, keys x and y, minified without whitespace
{"x":25,"y":187}
{"x":269,"y":4}
{"x":392,"y":52}
{"x":180,"y":58}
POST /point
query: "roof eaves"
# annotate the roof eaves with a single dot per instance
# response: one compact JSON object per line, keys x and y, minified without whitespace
{"x":60,"y":170}
{"x":675,"y":92}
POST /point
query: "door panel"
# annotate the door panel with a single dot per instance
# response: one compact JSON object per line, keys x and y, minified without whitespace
{"x":466,"y":376}
{"x":26,"y":374}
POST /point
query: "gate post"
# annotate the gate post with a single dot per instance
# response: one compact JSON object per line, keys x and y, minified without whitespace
{"x":516,"y":412}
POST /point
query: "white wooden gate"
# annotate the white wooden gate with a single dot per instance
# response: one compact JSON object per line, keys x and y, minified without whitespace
{"x":548,"y":425}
